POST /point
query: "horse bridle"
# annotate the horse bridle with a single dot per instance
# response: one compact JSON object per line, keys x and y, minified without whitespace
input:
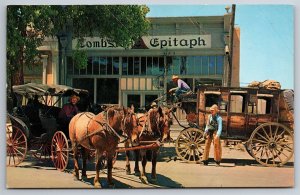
{"x":128,"y":115}
{"x":146,"y":126}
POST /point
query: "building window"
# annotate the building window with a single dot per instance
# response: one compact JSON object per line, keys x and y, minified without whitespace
{"x":143,"y":65}
{"x":152,"y":65}
{"x":136,"y":66}
{"x":220,"y":65}
{"x":124,"y":66}
{"x":212,"y":65}
{"x":115,"y":65}
{"x":107,"y":91}
{"x":134,"y":100}
{"x":204,"y":65}
{"x":149,"y":66}
{"x":96,"y":65}
{"x":85,"y":83}
{"x":197,"y":65}
{"x":109,"y":66}
{"x":103,"y":63}
{"x":130,"y":66}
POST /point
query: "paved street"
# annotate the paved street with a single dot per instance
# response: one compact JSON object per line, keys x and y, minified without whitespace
{"x":237,"y":169}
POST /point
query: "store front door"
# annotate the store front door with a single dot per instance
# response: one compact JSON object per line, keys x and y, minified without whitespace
{"x":141,"y":100}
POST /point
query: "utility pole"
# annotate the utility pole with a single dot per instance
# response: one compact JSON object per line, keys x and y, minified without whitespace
{"x":230,"y":56}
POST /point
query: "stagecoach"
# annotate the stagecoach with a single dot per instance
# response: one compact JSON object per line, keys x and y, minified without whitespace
{"x":34,"y":126}
{"x":261,"y":118}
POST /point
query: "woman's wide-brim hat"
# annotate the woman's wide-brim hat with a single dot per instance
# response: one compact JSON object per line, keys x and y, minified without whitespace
{"x":74,"y":96}
{"x":175,"y":77}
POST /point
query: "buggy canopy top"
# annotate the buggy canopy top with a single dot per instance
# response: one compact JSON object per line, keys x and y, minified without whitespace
{"x":32,"y":89}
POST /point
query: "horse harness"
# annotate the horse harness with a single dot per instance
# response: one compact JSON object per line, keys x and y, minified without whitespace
{"x":105,"y":125}
{"x":146,"y":126}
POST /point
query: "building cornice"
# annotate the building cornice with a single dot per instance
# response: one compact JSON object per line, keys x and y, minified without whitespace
{"x":187,"y":19}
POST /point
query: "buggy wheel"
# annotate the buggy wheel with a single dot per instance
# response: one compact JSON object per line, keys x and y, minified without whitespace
{"x":44,"y":152}
{"x":190,"y":145}
{"x":60,"y":151}
{"x":272,"y":144}
{"x":16,"y":146}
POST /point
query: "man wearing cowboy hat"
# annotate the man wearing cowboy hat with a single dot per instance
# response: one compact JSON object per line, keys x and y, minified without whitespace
{"x":212,"y":132}
{"x":181,"y":88}
{"x":67,"y":112}
{"x":153,"y":105}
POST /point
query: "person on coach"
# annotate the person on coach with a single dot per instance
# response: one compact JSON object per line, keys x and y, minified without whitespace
{"x":181,"y":88}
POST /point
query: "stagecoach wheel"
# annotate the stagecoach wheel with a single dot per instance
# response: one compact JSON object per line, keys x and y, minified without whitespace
{"x":248,"y":149}
{"x":44,"y":152}
{"x":190,"y":145}
{"x":60,"y":151}
{"x":272,"y":144}
{"x":16,"y":146}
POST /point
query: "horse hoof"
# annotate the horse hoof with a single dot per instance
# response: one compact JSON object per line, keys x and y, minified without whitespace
{"x":76,"y":176}
{"x":97,"y":185}
{"x":128,"y":170}
{"x":144,"y":180}
{"x":153,"y":180}
{"x":137,"y":173}
{"x":83,"y":177}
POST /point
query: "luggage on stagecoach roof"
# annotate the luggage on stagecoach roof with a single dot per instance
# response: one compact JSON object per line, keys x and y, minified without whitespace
{"x":267,"y":84}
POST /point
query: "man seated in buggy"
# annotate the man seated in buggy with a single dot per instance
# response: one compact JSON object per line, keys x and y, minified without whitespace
{"x":66,"y":114}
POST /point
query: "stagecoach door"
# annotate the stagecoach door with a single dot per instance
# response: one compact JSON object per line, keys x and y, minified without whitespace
{"x":259,"y":110}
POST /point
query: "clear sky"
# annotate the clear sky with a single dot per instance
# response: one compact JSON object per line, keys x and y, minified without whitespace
{"x":267,"y":38}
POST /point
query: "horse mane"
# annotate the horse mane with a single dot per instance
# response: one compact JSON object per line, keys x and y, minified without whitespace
{"x":154,"y":118}
{"x":111,"y":110}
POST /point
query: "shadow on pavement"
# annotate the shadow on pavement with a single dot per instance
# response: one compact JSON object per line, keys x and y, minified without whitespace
{"x":118,"y":175}
{"x":165,"y":153}
{"x":240,"y":162}
{"x":166,"y":182}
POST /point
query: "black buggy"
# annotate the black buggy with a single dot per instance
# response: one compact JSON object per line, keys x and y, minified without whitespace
{"x":34,"y":126}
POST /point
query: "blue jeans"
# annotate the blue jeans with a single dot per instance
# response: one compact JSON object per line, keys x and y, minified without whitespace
{"x":179,"y":92}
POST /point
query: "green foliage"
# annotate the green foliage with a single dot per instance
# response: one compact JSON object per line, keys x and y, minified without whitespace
{"x":25,"y":25}
{"x":28,"y":26}
{"x":123,"y":24}
{"x":79,"y":58}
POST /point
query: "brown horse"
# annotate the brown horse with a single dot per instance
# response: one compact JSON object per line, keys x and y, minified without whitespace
{"x":99,"y":132}
{"x":153,"y":126}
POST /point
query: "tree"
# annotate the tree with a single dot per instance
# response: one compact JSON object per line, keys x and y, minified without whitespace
{"x":28,"y":26}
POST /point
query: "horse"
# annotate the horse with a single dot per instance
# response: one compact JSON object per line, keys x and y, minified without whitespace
{"x":102,"y":133}
{"x":154,"y":126}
